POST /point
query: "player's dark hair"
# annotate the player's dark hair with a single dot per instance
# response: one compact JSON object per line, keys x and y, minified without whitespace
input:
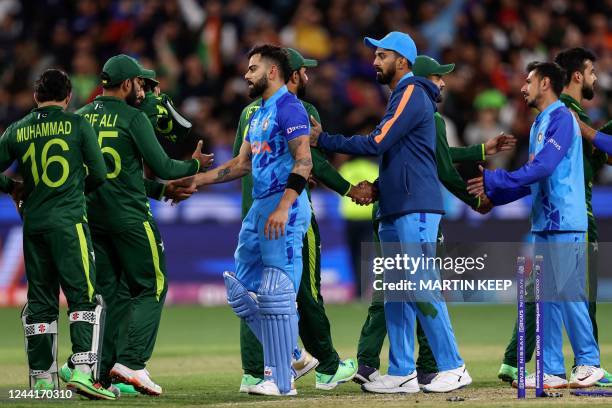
{"x":276,"y":55}
{"x":554,"y":72}
{"x":148,"y":86}
{"x":53,"y":85}
{"x":574,"y":59}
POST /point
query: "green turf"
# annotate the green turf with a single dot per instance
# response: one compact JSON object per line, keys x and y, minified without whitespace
{"x":197,"y":361}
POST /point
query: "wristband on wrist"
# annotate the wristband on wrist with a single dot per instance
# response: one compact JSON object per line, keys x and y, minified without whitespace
{"x":296,"y":182}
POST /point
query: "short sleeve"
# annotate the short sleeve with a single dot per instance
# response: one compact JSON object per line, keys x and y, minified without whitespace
{"x":293,"y":120}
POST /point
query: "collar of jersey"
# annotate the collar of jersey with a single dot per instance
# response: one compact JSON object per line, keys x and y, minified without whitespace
{"x":406,"y":76}
{"x":281,"y":91}
{"x":550,"y":108}
{"x":572,"y":101}
{"x":108,"y":98}
{"x":48,"y":108}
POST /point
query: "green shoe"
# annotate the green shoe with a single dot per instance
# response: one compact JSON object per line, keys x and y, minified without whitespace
{"x":346,"y":371}
{"x":249,"y":381}
{"x":507,"y":373}
{"x":43,"y":385}
{"x":606,"y":380}
{"x":65,"y":373}
{"x":127,"y":390}
{"x":83,"y":384}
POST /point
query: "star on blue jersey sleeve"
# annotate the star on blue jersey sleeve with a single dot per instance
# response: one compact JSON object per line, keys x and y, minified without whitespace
{"x":293,"y":120}
{"x":502,"y":186}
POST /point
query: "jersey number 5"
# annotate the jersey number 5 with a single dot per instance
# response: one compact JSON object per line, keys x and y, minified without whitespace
{"x":109,"y":150}
{"x":46,"y":161}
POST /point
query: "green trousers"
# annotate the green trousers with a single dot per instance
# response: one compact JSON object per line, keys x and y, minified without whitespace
{"x":511,"y":353}
{"x":61,"y":257}
{"x":374,"y":331}
{"x":314,"y":326}
{"x":132,"y":279}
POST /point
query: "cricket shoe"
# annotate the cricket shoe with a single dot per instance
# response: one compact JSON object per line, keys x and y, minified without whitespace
{"x":83,"y":384}
{"x":138,"y":378}
{"x":366,"y":374}
{"x":449,"y":380}
{"x":119,"y":389}
{"x":550,"y":381}
{"x":425,"y":378}
{"x":606,"y":380}
{"x":345,"y":373}
{"x":249,"y":381}
{"x":269,"y":388}
{"x":303,"y":363}
{"x":507,"y":373}
{"x":393,"y":384}
{"x":43,"y":385}
{"x":585,"y":376}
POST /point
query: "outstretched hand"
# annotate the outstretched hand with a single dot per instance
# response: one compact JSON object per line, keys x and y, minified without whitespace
{"x":315,"y":131}
{"x":363,"y":193}
{"x":475,"y":186}
{"x":206,"y":160}
{"x":500,"y":143}
{"x":180,"y":190}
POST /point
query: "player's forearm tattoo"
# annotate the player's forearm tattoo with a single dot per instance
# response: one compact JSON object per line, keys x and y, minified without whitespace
{"x":303,"y":165}
{"x":222,"y":174}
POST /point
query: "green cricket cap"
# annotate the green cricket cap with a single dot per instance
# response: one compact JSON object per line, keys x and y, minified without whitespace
{"x":297,"y":61}
{"x":119,"y":68}
{"x":149,"y":75}
{"x":425,"y":66}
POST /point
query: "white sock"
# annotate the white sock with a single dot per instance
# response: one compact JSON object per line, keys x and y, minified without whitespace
{"x":44,"y":376}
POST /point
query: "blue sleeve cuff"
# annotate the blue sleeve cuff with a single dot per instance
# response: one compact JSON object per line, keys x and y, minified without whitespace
{"x":603,"y":142}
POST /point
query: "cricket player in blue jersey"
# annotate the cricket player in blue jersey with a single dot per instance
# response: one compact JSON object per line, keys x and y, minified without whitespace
{"x":555,"y":180}
{"x":409,"y":212}
{"x":276,"y":151}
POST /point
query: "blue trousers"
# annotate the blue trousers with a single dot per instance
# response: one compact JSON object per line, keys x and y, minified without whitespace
{"x":565,"y":300}
{"x":255,"y":251}
{"x":416,"y":234}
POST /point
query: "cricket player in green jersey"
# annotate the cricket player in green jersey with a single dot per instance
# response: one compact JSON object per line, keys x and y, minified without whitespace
{"x":129,"y":250}
{"x":314,"y":325}
{"x":374,"y":328}
{"x":578,"y":64}
{"x":60,"y":161}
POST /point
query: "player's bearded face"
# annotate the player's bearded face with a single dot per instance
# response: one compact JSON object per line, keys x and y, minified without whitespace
{"x":257,"y":88}
{"x":385,"y":73}
{"x":303,"y":80}
{"x":132,"y":98}
{"x":588,"y":83}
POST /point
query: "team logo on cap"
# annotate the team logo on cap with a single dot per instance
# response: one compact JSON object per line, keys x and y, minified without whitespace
{"x":265,"y":125}
{"x":540,"y":137}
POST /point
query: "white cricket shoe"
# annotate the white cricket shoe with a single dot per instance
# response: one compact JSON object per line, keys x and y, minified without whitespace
{"x":585,"y":376}
{"x":138,"y":378}
{"x":303,"y":363}
{"x":393,"y":384}
{"x":449,"y":380}
{"x":550,"y":382}
{"x":270,"y":388}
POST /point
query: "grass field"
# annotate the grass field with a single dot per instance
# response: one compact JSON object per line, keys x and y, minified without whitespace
{"x":197,"y":362}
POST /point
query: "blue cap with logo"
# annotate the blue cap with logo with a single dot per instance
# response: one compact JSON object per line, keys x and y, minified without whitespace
{"x":395,"y":41}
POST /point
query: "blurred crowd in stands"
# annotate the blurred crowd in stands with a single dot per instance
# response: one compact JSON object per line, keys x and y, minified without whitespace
{"x":198,"y":49}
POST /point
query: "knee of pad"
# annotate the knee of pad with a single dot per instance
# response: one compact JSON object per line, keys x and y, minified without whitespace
{"x":239,"y":298}
{"x":276,"y":294}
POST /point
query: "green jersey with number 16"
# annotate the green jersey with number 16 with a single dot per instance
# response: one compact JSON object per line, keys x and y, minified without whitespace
{"x":126,"y":138}
{"x":51,"y":147}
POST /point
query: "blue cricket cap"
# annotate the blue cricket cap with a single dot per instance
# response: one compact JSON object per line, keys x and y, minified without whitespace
{"x":395,"y":41}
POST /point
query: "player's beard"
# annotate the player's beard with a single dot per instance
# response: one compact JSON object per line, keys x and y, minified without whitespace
{"x":588,"y":92}
{"x":301,"y":90}
{"x":132,"y":98}
{"x":258,"y":88}
{"x":384,"y":78}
